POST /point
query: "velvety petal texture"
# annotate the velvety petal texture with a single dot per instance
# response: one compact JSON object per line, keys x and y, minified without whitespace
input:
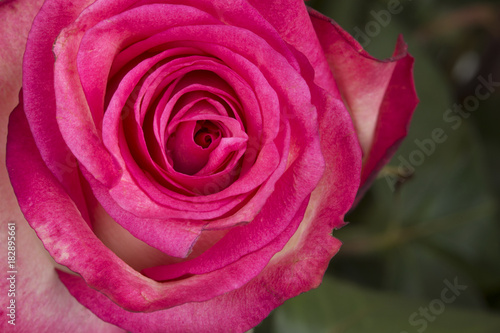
{"x":380,"y":94}
{"x":42,"y":301}
{"x":184,"y":162}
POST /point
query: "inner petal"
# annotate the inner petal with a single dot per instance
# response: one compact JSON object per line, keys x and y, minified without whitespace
{"x":190,"y":145}
{"x":206,"y":132}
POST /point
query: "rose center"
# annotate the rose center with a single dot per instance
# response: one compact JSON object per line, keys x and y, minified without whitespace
{"x":205,"y":133}
{"x":190,"y":146}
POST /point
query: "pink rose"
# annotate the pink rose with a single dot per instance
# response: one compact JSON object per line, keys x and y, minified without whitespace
{"x":187,"y":160}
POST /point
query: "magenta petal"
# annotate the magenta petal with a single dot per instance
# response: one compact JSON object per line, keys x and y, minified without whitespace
{"x":177,"y":207}
{"x":202,"y":316}
{"x":236,"y":62}
{"x":274,"y":218}
{"x":74,"y":245}
{"x":104,"y":41}
{"x":40,"y":288}
{"x":299,"y":267}
{"x":305,"y":162}
{"x":188,"y":155}
{"x":173,"y":237}
{"x":71,"y":243}
{"x":380,"y":94}
{"x":291,"y":20}
{"x":39,"y":95}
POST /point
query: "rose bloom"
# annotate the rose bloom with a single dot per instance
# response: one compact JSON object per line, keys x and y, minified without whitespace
{"x":183,"y":163}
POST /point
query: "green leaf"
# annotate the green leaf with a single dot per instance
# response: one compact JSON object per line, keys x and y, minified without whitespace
{"x":340,"y":307}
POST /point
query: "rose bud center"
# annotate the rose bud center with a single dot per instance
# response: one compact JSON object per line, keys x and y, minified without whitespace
{"x":191,"y":144}
{"x":206,"y":132}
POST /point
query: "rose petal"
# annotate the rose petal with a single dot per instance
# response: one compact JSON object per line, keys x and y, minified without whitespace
{"x":240,"y":241}
{"x":102,"y":42}
{"x":296,"y":269}
{"x":291,"y":20}
{"x":380,"y":94}
{"x":227,"y":55}
{"x":71,"y":242}
{"x":37,"y":285}
{"x":38,"y":96}
{"x":248,"y":304}
{"x":171,"y":236}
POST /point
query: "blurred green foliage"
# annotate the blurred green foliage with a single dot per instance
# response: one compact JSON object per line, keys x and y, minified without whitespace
{"x":439,"y":222}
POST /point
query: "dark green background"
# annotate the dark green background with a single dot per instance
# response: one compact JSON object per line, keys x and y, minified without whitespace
{"x":442,"y":221}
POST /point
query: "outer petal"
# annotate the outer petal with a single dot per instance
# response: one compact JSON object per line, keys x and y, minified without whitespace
{"x":291,"y":19}
{"x":43,"y":303}
{"x":69,"y":240}
{"x":290,"y":273}
{"x":379,"y":94}
{"x":39,"y":99}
